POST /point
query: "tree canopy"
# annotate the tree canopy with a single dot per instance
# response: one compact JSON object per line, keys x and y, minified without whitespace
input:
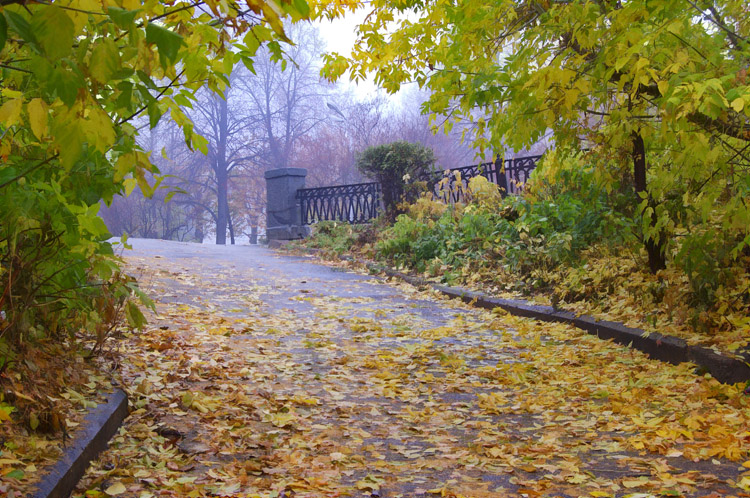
{"x":658,"y":90}
{"x":76,"y":74}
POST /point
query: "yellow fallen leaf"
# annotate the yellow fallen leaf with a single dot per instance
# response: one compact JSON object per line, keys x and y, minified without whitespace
{"x":198,"y":406}
{"x":576,"y":479}
{"x":633,"y":483}
{"x":117,"y":488}
{"x":495,"y":452}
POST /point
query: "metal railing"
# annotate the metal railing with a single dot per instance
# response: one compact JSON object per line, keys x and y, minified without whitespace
{"x":361,"y":202}
{"x":509,"y":174}
{"x":516,"y":173}
{"x":450,"y":185}
{"x":357,"y":203}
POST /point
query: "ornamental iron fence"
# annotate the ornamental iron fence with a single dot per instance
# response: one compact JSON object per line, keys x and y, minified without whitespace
{"x":516,"y":173}
{"x":357,"y":203}
{"x":509,"y":174}
{"x":361,"y":202}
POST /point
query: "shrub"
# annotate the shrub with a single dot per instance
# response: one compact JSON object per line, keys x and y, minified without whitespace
{"x":338,"y":237}
{"x":393,"y":165}
{"x":528,"y":236}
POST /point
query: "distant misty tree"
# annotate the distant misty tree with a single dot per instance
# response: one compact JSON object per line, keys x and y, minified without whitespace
{"x":230,"y":128}
{"x":286,"y":98}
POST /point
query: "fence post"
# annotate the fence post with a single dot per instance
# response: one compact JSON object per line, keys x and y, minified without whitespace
{"x":501,"y":170}
{"x":283,"y":213}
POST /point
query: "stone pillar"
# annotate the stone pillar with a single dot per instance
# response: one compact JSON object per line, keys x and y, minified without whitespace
{"x":283,"y":212}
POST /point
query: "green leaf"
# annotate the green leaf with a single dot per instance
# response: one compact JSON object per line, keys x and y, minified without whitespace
{"x":302,"y":7}
{"x":168,"y":42}
{"x":54,"y":30}
{"x":297,"y":9}
{"x":147,"y":80}
{"x":154,"y":114}
{"x":122,"y":17}
{"x":3,"y":31}
{"x":125,"y":98}
{"x":134,"y":315}
{"x":65,"y":84}
{"x":7,"y":174}
{"x":69,"y":138}
{"x":15,"y":474}
{"x":105,"y":60}
{"x":21,"y":26}
{"x":252,"y":43}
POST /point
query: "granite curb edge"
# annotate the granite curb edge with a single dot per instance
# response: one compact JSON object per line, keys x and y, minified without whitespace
{"x":99,"y":426}
{"x":661,"y":347}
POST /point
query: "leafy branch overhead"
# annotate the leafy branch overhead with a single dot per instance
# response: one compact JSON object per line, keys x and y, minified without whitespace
{"x":657,"y":91}
{"x":76,"y":74}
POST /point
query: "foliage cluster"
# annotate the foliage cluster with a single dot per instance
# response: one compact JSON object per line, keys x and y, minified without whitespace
{"x":79,"y":79}
{"x":393,"y":165}
{"x":75,"y":74}
{"x":335,"y":237}
{"x":657,"y":91}
{"x":529,"y":237}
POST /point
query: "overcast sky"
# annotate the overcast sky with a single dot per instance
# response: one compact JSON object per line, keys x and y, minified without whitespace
{"x":340,"y":36}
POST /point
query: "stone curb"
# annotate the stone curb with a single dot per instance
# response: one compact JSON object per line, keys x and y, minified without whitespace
{"x":666,"y":348}
{"x":100,"y":425}
{"x":661,"y":347}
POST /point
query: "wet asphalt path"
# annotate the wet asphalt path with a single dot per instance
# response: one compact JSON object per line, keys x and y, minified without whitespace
{"x":396,"y":392}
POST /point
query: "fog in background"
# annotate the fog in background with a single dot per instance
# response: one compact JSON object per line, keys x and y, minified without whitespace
{"x":270,"y":119}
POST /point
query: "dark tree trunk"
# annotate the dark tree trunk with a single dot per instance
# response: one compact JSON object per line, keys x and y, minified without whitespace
{"x":254,"y":234}
{"x":198,"y":225}
{"x":222,"y":175}
{"x":231,"y":226}
{"x":654,"y":249}
{"x":222,"y":218}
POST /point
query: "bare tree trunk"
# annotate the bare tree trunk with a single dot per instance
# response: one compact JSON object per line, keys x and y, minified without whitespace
{"x":231,"y":226}
{"x":654,"y":249}
{"x":222,"y":218}
{"x":222,"y":176}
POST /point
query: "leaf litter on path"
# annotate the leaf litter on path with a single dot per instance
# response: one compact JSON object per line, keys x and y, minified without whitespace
{"x":267,"y":383}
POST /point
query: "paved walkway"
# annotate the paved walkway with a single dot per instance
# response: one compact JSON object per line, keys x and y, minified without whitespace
{"x":268,"y":375}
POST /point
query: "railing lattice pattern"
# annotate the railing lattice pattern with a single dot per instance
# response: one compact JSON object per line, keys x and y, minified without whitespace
{"x":361,"y":202}
{"x":358,"y":203}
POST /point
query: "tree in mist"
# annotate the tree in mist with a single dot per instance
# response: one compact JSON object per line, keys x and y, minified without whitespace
{"x":229,"y":128}
{"x":286,"y":97}
{"x":139,"y":215}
